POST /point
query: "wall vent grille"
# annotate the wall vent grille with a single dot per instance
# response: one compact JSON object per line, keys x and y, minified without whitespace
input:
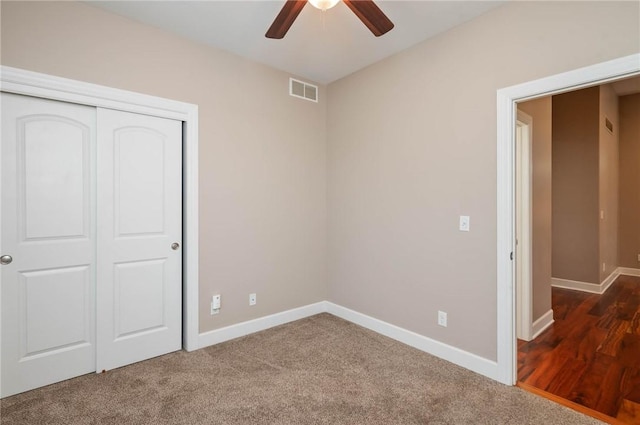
{"x":303,"y":90}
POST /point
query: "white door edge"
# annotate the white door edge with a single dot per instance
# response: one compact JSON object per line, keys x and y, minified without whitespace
{"x":19,"y":81}
{"x":506,"y":117}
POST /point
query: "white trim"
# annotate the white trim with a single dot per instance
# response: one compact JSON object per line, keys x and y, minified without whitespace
{"x":452,"y":354}
{"x":30,"y":83}
{"x":605,"y":284}
{"x":593,"y":288}
{"x":576,"y":285}
{"x":524,"y":256}
{"x":190,"y":232}
{"x":506,"y":331}
{"x":439,"y":349}
{"x":541,"y":324}
{"x":227,"y":333}
{"x":627,"y":271}
{"x":506,"y":98}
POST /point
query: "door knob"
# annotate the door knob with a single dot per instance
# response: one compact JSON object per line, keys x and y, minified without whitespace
{"x":175,"y":246}
{"x":6,"y":259}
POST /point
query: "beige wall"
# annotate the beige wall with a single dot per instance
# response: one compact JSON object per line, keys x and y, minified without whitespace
{"x":262,"y":153}
{"x":608,"y":146}
{"x":540,"y":111}
{"x":412,"y":145}
{"x":629,"y":235}
{"x":575,"y":250}
{"x":585,"y":185}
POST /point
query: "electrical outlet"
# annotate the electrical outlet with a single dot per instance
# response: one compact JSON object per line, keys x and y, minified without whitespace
{"x":442,"y":318}
{"x":215,"y":304}
{"x":638,"y":257}
{"x":604,"y":267}
{"x":252,"y":299}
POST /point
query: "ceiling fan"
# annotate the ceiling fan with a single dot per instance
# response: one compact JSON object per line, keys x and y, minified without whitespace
{"x":366,"y":10}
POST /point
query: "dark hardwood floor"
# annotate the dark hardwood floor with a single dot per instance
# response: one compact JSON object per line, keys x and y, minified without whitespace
{"x":591,"y":354}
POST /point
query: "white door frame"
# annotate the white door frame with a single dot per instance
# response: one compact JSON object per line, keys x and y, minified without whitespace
{"x":524,"y":260}
{"x":19,"y":81}
{"x":506,"y":98}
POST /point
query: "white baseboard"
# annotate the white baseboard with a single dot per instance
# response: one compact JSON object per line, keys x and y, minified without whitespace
{"x":447,"y":352}
{"x":627,"y":271}
{"x":609,"y":280}
{"x":594,"y":288}
{"x":576,"y":285}
{"x":542,"y":324}
{"x":217,"y":336}
{"x":452,"y":354}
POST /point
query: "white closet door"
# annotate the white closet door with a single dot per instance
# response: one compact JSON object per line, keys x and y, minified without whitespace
{"x":139,"y":286}
{"x":47,"y":235}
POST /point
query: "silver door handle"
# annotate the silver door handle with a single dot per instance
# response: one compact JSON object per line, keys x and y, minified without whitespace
{"x":175,"y":246}
{"x":6,"y":259}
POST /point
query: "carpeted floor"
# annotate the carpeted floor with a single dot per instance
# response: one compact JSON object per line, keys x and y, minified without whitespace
{"x":319,"y":370}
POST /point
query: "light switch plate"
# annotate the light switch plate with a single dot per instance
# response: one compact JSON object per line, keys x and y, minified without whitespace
{"x":215,"y":304}
{"x":465,"y":223}
{"x":442,"y":318}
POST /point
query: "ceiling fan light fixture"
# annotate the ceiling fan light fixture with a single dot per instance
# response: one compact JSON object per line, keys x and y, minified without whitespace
{"x":323,"y":4}
{"x":366,"y":10}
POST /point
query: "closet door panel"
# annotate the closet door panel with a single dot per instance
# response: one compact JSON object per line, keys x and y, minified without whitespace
{"x":139,"y":168}
{"x":48,"y":167}
{"x":139,"y":300}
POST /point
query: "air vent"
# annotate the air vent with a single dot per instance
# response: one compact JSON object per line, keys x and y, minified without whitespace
{"x":608,"y":124}
{"x":303,"y":90}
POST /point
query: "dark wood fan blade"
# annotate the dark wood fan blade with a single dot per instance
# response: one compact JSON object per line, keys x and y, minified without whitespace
{"x":285,"y":18}
{"x":371,"y":16}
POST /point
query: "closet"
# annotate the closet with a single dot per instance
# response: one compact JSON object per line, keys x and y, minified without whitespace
{"x":91,"y":234}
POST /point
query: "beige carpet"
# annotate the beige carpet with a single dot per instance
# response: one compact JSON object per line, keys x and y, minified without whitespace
{"x":319,"y":370}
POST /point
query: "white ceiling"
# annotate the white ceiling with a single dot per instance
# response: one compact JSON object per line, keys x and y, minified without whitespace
{"x":322,"y":47}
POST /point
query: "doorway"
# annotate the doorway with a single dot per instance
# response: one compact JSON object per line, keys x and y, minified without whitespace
{"x":507,"y":98}
{"x":591,"y":336}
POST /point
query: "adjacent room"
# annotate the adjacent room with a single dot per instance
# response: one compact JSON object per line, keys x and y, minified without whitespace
{"x":579,"y":302}
{"x":278,"y":212}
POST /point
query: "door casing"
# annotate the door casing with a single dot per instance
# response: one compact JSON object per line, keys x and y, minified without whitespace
{"x":524,"y":261}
